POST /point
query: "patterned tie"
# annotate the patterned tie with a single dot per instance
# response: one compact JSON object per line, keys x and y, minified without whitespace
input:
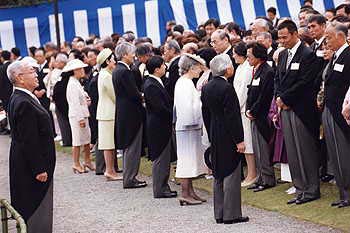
{"x":289,"y":58}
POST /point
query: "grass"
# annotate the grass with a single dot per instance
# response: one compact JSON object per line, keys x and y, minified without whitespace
{"x":319,"y":212}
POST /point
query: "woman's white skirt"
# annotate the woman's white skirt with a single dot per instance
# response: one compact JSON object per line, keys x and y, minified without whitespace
{"x":247,"y":130}
{"x":190,"y":154}
{"x":106,"y":135}
{"x":80,"y":136}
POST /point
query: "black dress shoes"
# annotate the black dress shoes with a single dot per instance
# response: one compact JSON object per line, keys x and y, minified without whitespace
{"x":344,"y":204}
{"x":167,"y":195}
{"x":139,"y":182}
{"x":305,"y":200}
{"x":292,"y":201}
{"x":254,"y":186}
{"x":171,"y":191}
{"x":119,"y":171}
{"x":262,"y":188}
{"x":326,"y":178}
{"x":336,"y":203}
{"x":136,"y":185}
{"x":219,"y":221}
{"x":237,"y":220}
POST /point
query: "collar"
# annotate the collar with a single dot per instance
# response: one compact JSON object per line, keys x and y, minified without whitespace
{"x":7,"y":61}
{"x":295,"y":48}
{"x":28,"y":92}
{"x":320,"y":41}
{"x":42,"y":65}
{"x":107,"y":70}
{"x":228,"y":49}
{"x":121,"y":62}
{"x":223,"y":78}
{"x":173,"y":59}
{"x":269,"y":50}
{"x":156,"y":78}
{"x":340,"y":50}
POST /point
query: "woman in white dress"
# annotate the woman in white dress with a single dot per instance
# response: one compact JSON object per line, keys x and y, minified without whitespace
{"x":187,"y":107}
{"x":78,"y":114}
{"x":106,"y":112}
{"x":242,"y":79}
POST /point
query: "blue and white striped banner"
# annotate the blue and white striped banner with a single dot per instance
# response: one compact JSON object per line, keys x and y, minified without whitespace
{"x":34,"y":26}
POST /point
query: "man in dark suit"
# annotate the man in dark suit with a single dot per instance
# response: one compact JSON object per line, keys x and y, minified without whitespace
{"x":222,"y":118}
{"x":171,"y":55}
{"x":259,"y":99}
{"x":129,"y":115}
{"x":32,"y":153}
{"x":6,"y":86}
{"x":316,"y":27}
{"x":295,"y":96}
{"x":265,"y":39}
{"x":159,"y":127}
{"x":271,"y":14}
{"x":337,"y":131}
{"x":220,"y":41}
{"x":43,"y":70}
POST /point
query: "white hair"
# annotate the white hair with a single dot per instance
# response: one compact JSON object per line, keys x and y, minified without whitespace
{"x":262,"y":23}
{"x":61,"y":58}
{"x":123,"y":49}
{"x":15,"y":68}
{"x":219,"y":64}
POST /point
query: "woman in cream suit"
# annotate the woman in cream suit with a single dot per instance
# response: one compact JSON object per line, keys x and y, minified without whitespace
{"x":106,"y":112}
{"x":242,"y":79}
{"x":78,"y":114}
{"x":187,"y":107}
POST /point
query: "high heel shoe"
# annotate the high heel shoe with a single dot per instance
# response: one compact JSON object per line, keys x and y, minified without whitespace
{"x":185,"y":201}
{"x":78,"y":170}
{"x":199,"y":199}
{"x":112,"y":178}
{"x":89,"y":166}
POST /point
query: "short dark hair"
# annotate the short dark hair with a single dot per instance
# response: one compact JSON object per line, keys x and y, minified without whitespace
{"x":289,"y":24}
{"x":153,"y":63}
{"x":32,"y":50}
{"x":142,"y":50}
{"x":241,"y":49}
{"x":213,"y":21}
{"x":95,"y":51}
{"x":341,"y":19}
{"x":6,"y":55}
{"x":259,"y":51}
{"x":305,"y":1}
{"x":207,"y":53}
{"x":16,"y":51}
{"x":332,"y":10}
{"x":179,"y":28}
{"x":104,"y":64}
{"x":79,"y":38}
{"x":272,"y":10}
{"x":233,"y":27}
{"x":77,"y":54}
{"x":319,"y":19}
{"x":40,"y":49}
{"x":345,"y":6}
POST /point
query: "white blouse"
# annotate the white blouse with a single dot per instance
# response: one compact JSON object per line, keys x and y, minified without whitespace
{"x":77,"y":100}
{"x":187,"y":105}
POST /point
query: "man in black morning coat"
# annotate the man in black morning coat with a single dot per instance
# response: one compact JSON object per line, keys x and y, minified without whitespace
{"x":295,"y":94}
{"x":222,"y":118}
{"x":158,"y":127}
{"x":337,"y":131}
{"x":129,"y":115}
{"x":32,"y":154}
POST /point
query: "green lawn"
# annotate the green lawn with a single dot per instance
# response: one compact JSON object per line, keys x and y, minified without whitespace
{"x":275,"y":199}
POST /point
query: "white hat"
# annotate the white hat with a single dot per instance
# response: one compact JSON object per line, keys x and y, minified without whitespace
{"x":103,"y":55}
{"x":195,"y":57}
{"x":73,"y":65}
{"x":31,"y":61}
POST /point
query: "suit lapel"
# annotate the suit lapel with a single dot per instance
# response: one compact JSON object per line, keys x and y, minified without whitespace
{"x":296,"y":58}
{"x":338,"y":60}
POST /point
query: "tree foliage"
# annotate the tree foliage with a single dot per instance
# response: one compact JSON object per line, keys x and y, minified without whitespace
{"x":12,"y":3}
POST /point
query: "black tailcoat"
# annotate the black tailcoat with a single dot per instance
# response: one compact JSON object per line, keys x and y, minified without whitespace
{"x":222,"y":118}
{"x":129,"y":109}
{"x":6,"y":87}
{"x":295,"y":85}
{"x":32,"y":152}
{"x":260,"y":93}
{"x":336,"y":85}
{"x":159,"y":117}
{"x":45,"y":102}
{"x":172,"y":76}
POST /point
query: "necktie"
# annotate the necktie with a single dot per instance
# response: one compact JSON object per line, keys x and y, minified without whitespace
{"x":289,"y":58}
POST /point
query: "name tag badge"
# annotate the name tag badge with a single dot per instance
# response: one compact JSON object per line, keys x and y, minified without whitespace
{"x":95,"y":73}
{"x":167,"y":74}
{"x":46,"y":70}
{"x":320,"y":53}
{"x":256,"y":82}
{"x":295,"y":66}
{"x":338,"y":67}
{"x":270,"y":63}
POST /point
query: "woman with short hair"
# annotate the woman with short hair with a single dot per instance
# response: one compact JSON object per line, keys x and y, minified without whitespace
{"x":187,"y":108}
{"x":106,"y":112}
{"x":78,"y":113}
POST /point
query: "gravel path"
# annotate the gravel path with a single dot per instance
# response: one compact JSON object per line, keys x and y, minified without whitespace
{"x":87,"y":203}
